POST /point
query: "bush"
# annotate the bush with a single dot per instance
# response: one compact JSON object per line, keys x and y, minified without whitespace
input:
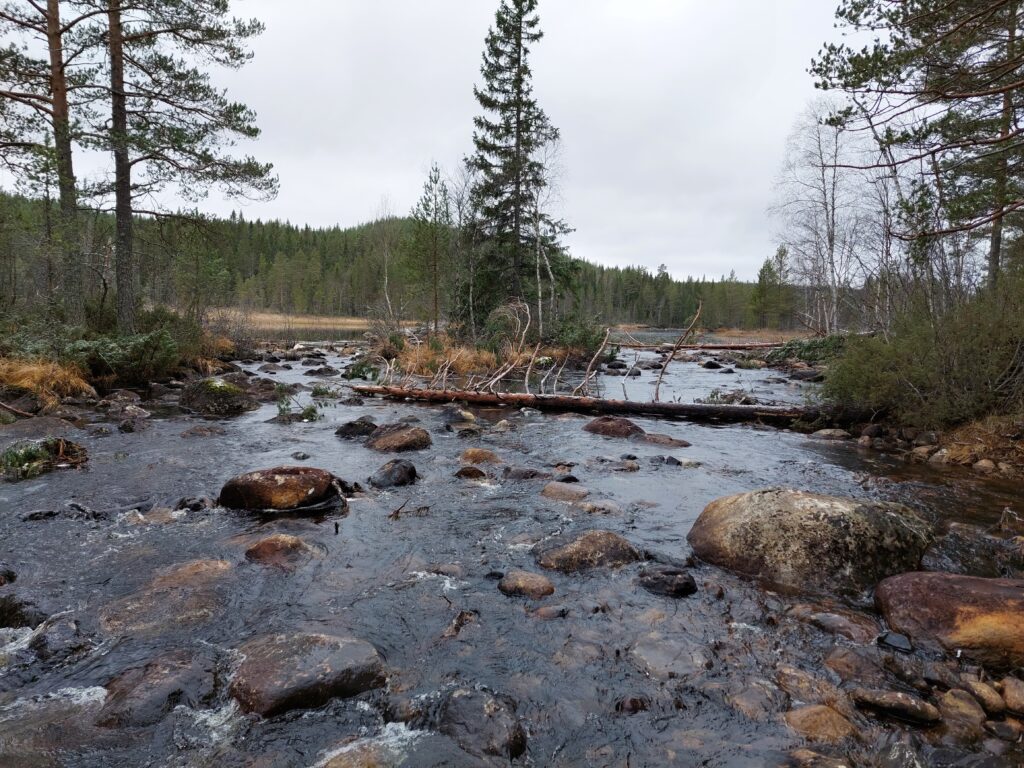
{"x":578,"y":333}
{"x":936,"y":373}
{"x":128,"y":360}
{"x":811,"y":351}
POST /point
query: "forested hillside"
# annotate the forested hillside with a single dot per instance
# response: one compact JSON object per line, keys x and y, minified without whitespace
{"x":193,"y":265}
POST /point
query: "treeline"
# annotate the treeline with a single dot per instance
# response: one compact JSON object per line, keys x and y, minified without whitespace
{"x":194,"y":265}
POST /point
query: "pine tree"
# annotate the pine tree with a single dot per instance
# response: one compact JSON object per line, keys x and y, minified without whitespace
{"x":169,"y":125}
{"x":940,"y":88}
{"x":509,"y":138}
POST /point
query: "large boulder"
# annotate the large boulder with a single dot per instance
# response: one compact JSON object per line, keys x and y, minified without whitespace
{"x":216,"y":397}
{"x":304,"y":671}
{"x":395,"y":473}
{"x":592,"y":549}
{"x":483,"y":723}
{"x":613,"y":426}
{"x":805,"y":542}
{"x":395,"y":438}
{"x":282,"y":489}
{"x":983,"y":618}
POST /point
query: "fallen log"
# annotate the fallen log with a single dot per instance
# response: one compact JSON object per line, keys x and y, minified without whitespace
{"x":667,"y":346}
{"x":775,"y":415}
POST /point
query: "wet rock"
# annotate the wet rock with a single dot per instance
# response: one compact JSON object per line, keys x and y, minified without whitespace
{"x":482,"y":723}
{"x":396,"y":473}
{"x":361,"y":427}
{"x":984,"y":466}
{"x":711,"y":365}
{"x":983,"y":618}
{"x":968,"y":550}
{"x":394,"y":438}
{"x":16,"y":613}
{"x":453,"y":414}
{"x":479,"y":456}
{"x":325,"y":370}
{"x":560,"y":491}
{"x":987,"y":696}
{"x":665,"y":440}
{"x":805,"y":542}
{"x":873,"y":431}
{"x":1013,"y":694}
{"x":592,"y":549}
{"x":216,"y":397}
{"x":143,"y":696}
{"x":902,"y":706}
{"x":7,"y":576}
{"x":300,"y":456}
{"x":962,"y":715}
{"x":471,"y":473}
{"x":180,"y":597}
{"x":838,"y":621}
{"x":59,"y":639}
{"x":1007,"y":730}
{"x":832,"y":434}
{"x":860,"y":665}
{"x":805,"y":687}
{"x":282,"y":489}
{"x":526,"y":584}
{"x":897,"y":642}
{"x":525,"y":473}
{"x":613,"y":426}
{"x":279,"y":551}
{"x":304,"y":671}
{"x":820,"y":723}
{"x":632,"y":705}
{"x":667,"y":581}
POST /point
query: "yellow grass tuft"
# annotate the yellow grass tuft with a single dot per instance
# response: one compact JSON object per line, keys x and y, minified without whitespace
{"x":47,"y":380}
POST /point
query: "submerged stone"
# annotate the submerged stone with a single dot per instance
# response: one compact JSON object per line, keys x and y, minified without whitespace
{"x":532,"y":585}
{"x":145,"y":695}
{"x":613,"y":426}
{"x":304,"y":671}
{"x":483,"y":723}
{"x":667,"y":581}
{"x":593,"y":549}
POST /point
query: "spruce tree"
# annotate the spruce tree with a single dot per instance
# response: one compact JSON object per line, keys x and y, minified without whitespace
{"x":431,"y":236}
{"x":509,"y":139}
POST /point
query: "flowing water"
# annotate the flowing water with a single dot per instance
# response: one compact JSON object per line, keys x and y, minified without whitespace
{"x":617,"y":677}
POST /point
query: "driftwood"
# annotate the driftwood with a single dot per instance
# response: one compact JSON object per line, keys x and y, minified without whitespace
{"x":666,"y":346}
{"x":672,"y":354}
{"x":776,"y":415}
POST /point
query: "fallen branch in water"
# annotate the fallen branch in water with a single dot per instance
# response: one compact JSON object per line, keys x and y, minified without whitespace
{"x":672,"y":354}
{"x":15,"y":411}
{"x":776,"y":415}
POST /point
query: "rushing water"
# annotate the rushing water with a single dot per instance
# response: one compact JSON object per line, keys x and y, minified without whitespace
{"x":702,"y":668}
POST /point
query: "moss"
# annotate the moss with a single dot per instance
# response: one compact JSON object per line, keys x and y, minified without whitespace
{"x":221,"y":388}
{"x":32,"y":458}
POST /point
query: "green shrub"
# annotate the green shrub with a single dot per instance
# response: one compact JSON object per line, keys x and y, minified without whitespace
{"x":811,"y":351}
{"x":578,"y":333}
{"x":129,"y":360}
{"x":939,"y":372}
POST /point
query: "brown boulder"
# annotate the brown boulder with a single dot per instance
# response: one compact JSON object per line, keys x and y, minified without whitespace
{"x":303,"y":671}
{"x":532,"y":585}
{"x":592,"y":549}
{"x":797,"y":541}
{"x":984,"y":618}
{"x":613,"y":426}
{"x":1013,"y":695}
{"x":144,"y":695}
{"x":395,"y":438}
{"x":282,"y":489}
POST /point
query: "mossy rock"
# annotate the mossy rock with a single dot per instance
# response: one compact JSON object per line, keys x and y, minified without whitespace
{"x":216,"y":397}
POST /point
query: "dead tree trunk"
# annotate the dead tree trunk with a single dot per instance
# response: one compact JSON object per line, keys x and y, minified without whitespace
{"x":780,"y":416}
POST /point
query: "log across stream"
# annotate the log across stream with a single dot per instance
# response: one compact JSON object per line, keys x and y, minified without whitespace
{"x":775,"y":415}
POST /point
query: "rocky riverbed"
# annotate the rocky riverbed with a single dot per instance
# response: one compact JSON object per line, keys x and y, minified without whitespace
{"x":439,"y":587}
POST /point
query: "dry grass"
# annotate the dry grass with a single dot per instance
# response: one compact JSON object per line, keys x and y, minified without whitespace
{"x":996,"y":438}
{"x":427,"y":359}
{"x":47,"y":380}
{"x":754,"y":336}
{"x":269,"y":321}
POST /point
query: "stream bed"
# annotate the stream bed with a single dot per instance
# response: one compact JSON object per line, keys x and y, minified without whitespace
{"x":123,"y":562}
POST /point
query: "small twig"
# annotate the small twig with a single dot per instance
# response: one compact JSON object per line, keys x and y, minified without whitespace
{"x":679,"y":343}
{"x":397,"y":513}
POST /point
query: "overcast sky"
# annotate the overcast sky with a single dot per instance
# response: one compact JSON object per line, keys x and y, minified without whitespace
{"x":674,"y":113}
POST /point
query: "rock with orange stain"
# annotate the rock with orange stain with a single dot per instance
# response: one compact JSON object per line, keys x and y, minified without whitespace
{"x":279,"y":551}
{"x":984,"y":618}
